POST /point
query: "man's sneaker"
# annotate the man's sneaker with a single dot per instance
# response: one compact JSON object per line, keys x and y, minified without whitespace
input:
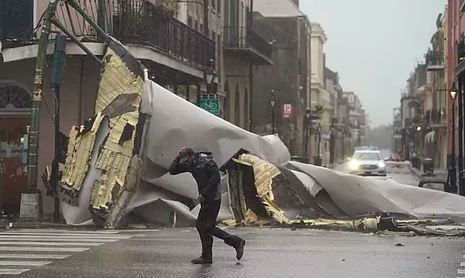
{"x":240,"y":249}
{"x":201,"y":261}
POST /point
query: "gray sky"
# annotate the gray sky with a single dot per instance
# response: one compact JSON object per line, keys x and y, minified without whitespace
{"x":374,"y":45}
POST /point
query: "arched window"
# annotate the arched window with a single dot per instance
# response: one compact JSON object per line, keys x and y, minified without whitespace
{"x":14,"y":97}
{"x":237,"y":106}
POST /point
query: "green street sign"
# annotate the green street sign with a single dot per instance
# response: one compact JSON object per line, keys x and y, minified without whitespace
{"x":210,"y":105}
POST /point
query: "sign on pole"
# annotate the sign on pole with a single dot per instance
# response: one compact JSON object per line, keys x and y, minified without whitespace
{"x":287,"y":111}
{"x":211,"y":105}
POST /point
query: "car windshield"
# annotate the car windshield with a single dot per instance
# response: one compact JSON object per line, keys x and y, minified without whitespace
{"x":367,"y":156}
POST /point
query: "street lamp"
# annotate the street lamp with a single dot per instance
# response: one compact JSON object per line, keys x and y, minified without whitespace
{"x":318,"y":160}
{"x":308,"y":115}
{"x":452,"y":169}
{"x":209,"y":75}
{"x":273,"y":109}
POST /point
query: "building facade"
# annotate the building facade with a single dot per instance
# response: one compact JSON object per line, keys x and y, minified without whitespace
{"x":282,"y":92}
{"x":198,"y":49}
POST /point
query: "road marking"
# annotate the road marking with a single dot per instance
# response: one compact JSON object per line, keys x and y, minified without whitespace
{"x":139,"y":231}
{"x":24,"y":263}
{"x":33,"y":256}
{"x":12,"y":271}
{"x":37,"y":248}
{"x":42,"y":249}
{"x":462,"y":264}
{"x":460,"y":271}
{"x":43,"y":238}
{"x":51,"y":243}
{"x":66,"y":235}
{"x":61,"y":231}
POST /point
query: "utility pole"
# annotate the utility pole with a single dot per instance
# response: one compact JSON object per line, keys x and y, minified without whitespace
{"x":31,"y":197}
{"x":59,"y":58}
{"x":30,"y":200}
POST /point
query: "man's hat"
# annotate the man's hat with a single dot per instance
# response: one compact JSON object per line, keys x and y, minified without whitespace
{"x":185,"y":154}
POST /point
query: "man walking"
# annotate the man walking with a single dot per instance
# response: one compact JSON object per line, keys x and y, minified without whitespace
{"x":206,"y":173}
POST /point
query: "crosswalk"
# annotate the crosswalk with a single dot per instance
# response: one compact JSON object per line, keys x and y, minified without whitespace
{"x":23,"y":250}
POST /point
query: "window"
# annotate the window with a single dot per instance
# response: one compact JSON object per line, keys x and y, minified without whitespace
{"x":189,"y":21}
{"x":12,"y":97}
{"x":366,"y":156}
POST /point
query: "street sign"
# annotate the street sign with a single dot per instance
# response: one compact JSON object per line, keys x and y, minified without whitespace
{"x":211,"y":105}
{"x":287,"y":111}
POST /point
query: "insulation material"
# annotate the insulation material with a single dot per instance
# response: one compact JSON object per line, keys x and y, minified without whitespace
{"x":264,"y":173}
{"x":118,"y":102}
{"x":116,"y":79}
{"x":77,"y":160}
{"x":77,"y":213}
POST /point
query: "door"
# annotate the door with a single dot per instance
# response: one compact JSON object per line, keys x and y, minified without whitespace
{"x":13,"y":176}
{"x":15,"y":111}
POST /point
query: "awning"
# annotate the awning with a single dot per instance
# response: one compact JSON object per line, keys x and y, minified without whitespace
{"x":430,"y":137}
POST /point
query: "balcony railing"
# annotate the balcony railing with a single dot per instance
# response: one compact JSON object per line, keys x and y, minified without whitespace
{"x":237,"y":38}
{"x":168,"y":35}
{"x":130,"y":21}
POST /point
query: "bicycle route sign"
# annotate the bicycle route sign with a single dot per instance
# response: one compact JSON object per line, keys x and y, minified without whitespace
{"x":210,"y":105}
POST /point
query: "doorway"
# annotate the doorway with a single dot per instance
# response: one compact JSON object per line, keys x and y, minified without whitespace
{"x":15,"y":110}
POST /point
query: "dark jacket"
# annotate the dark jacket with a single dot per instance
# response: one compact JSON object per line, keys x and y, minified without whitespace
{"x":205,"y":173}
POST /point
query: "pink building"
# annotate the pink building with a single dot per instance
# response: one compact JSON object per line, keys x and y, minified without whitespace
{"x":455,"y":62}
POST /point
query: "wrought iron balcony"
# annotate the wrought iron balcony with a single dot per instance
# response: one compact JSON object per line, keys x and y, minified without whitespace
{"x":131,"y":21}
{"x":167,"y":35}
{"x":242,"y":40}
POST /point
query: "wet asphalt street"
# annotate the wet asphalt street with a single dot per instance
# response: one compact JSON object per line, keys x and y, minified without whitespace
{"x":269,"y":253}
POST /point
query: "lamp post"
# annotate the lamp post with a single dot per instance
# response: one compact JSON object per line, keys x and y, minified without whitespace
{"x":452,"y":168}
{"x":273,"y":109}
{"x":460,"y":101}
{"x":308,"y":114}
{"x":318,"y":161}
{"x":209,"y":75}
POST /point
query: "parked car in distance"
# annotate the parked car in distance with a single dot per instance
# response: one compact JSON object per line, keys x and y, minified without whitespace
{"x":367,"y":163}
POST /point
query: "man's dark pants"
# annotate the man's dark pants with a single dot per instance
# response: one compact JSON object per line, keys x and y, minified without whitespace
{"x":206,"y":226}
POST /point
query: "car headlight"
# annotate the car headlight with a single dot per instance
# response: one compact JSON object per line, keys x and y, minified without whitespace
{"x":354,"y":165}
{"x":381,"y":164}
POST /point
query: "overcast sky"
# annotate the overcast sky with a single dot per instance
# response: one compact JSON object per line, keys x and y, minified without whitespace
{"x":374,"y":45}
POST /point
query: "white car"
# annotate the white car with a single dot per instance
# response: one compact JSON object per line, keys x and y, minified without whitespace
{"x":367,"y":163}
